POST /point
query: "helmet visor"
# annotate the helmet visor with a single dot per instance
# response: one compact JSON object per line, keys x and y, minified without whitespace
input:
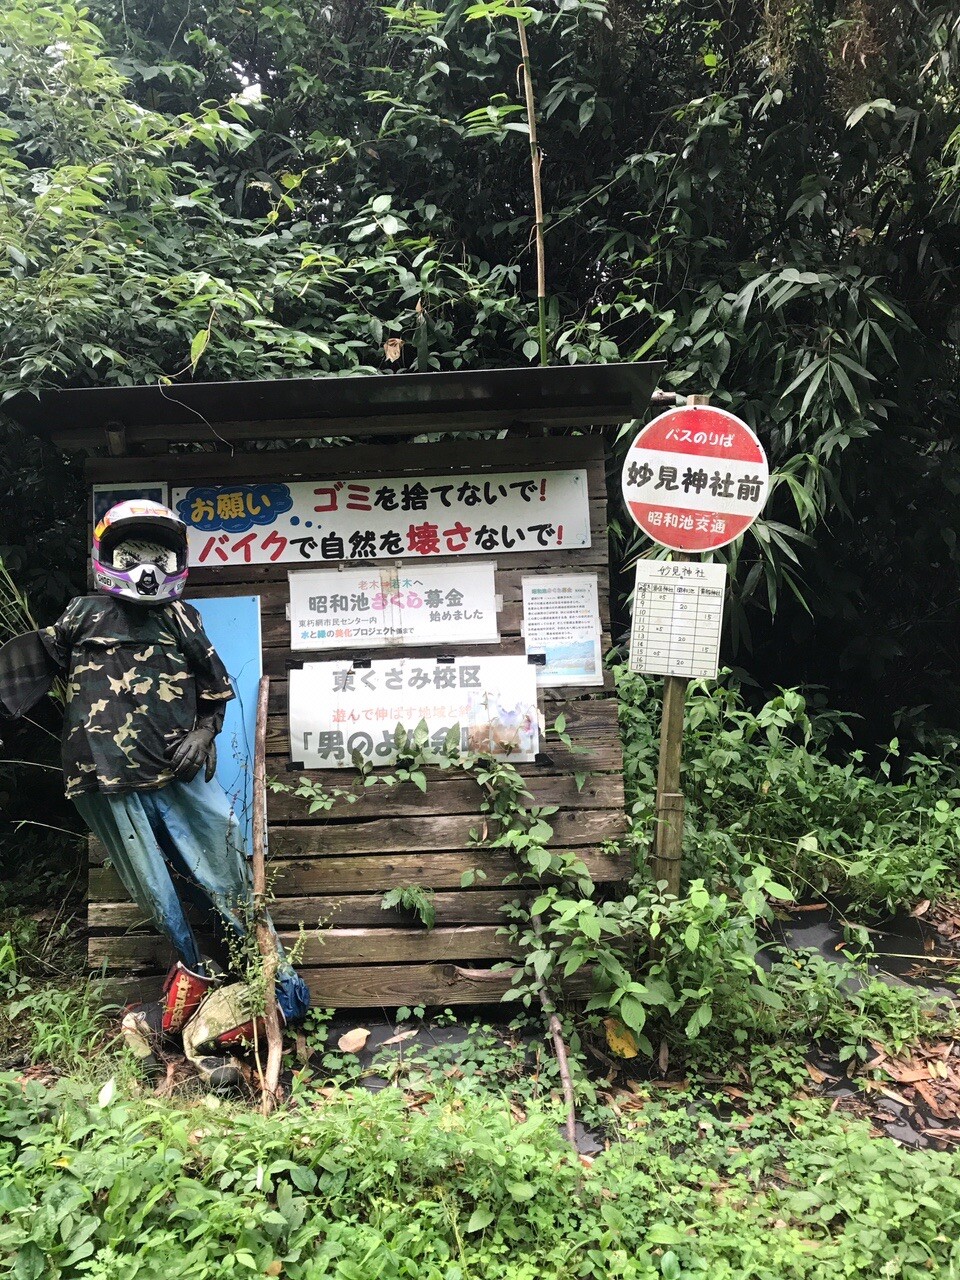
{"x":128,"y":544}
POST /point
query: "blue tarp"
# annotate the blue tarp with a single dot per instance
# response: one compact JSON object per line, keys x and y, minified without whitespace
{"x":233,"y":625}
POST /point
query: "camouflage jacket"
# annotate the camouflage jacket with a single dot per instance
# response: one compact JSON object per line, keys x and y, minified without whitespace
{"x":135,"y":676}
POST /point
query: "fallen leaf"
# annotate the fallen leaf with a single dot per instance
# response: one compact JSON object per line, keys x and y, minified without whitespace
{"x":907,"y":1075}
{"x":815,"y":1074}
{"x":398,"y":1038}
{"x":669,"y":1084}
{"x":663,"y":1058}
{"x":894,"y":1096}
{"x":273,"y":1268}
{"x":629,"y":1102}
{"x":620,"y":1038}
{"x":933,"y":1102}
{"x":921,"y":908}
{"x":353,"y":1041}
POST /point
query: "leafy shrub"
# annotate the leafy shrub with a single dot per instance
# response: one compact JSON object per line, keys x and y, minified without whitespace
{"x":774,"y":788}
{"x":676,"y":964}
{"x":836,"y":1002}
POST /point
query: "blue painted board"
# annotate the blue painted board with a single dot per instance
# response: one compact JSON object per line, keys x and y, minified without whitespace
{"x":233,"y":625}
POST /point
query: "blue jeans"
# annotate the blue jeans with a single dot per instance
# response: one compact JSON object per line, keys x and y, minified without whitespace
{"x":183,"y":832}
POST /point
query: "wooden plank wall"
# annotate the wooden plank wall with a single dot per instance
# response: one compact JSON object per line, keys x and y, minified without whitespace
{"x":330,"y":872}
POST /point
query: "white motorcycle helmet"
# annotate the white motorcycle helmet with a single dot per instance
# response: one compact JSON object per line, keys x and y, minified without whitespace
{"x":140,"y":553}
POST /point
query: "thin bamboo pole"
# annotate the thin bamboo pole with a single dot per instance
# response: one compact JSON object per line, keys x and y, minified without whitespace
{"x":266,"y":938}
{"x":537,"y":193}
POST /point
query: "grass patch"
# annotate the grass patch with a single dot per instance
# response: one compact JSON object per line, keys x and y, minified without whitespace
{"x":452,"y":1185}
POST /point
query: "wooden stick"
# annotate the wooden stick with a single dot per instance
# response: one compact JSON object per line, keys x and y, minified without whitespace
{"x":668,"y":836}
{"x":559,"y":1047}
{"x":266,"y":938}
{"x":537,"y":193}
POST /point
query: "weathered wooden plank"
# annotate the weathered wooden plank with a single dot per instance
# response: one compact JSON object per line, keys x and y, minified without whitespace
{"x":376,"y":987}
{"x":322,"y":947}
{"x":334,"y":875}
{"x":274,"y":593}
{"x":441,"y":833}
{"x":397,"y":834}
{"x":277,"y":663}
{"x":590,"y":559}
{"x":477,"y":419}
{"x":357,"y":460}
{"x":446,"y":795}
{"x":463,"y":906}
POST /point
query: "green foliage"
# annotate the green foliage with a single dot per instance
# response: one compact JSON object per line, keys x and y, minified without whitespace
{"x":455,"y":1185}
{"x":836,"y":1002}
{"x":65,"y":1024}
{"x":412,"y":897}
{"x":766,"y":197}
{"x":658,"y":964}
{"x":778,"y":788}
{"x":58,"y":1019}
{"x":112,"y":232}
{"x":766,"y":803}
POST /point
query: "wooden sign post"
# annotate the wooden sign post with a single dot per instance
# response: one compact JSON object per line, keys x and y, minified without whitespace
{"x":668,"y":836}
{"x":694,"y":479}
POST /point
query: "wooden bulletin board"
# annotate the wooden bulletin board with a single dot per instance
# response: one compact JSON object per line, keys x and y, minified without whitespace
{"x":330,"y":871}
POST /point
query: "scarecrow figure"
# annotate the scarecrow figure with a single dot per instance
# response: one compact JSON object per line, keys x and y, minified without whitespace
{"x":145,"y":700}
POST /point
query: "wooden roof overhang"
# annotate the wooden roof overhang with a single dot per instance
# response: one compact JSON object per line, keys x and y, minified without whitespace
{"x":147,"y":419}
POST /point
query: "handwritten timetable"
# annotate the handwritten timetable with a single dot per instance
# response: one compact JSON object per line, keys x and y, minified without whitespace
{"x":677,"y":616}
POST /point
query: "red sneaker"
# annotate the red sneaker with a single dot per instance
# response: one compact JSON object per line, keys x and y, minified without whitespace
{"x":182,"y":992}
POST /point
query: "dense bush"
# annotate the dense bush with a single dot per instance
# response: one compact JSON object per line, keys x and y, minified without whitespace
{"x":781,"y":788}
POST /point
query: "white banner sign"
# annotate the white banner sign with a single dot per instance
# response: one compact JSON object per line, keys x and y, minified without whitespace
{"x":561,"y":625}
{"x":383,"y":519}
{"x":677,"y":617}
{"x":420,"y":604}
{"x":338,"y":711}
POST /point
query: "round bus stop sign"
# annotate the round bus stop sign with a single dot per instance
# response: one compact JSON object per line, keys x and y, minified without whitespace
{"x":695,"y":478}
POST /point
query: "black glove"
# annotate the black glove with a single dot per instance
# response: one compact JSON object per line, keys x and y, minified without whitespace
{"x":192,"y":751}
